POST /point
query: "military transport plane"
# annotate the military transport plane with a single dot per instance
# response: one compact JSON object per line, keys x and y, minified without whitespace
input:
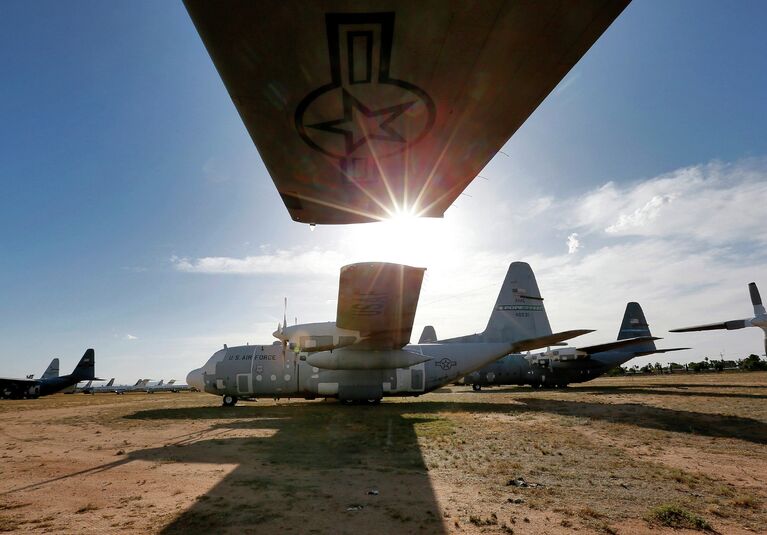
{"x":376,"y":108}
{"x":364,"y":355}
{"x":562,"y":366}
{"x":759,"y":319}
{"x":519,"y":311}
{"x":52,"y":370}
{"x":34,"y":388}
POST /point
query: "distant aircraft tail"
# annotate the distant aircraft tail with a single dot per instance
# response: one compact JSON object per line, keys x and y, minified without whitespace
{"x":171,"y":382}
{"x":111,"y":382}
{"x":635,"y":325}
{"x":518,"y":315}
{"x":52,"y":370}
{"x":86,"y":368}
{"x":428,"y":336}
{"x":518,"y":312}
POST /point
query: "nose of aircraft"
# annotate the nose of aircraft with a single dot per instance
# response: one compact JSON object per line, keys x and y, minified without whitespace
{"x":194,"y":379}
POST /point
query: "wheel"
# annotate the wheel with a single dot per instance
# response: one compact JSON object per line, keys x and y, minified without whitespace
{"x":476,"y":387}
{"x":229,"y":401}
{"x":374,"y":401}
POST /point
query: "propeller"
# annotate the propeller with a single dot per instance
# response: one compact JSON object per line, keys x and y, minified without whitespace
{"x":759,"y":319}
{"x":284,"y":315}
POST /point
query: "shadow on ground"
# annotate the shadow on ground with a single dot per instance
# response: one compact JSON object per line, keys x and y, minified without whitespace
{"x":306,"y":468}
{"x":319,"y":460}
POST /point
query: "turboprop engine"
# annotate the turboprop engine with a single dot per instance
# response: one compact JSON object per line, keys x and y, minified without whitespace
{"x":350,"y":359}
{"x":547,"y":358}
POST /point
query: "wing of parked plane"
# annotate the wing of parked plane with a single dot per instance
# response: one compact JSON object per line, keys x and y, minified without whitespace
{"x":729,"y":325}
{"x":364,"y":110}
{"x":379,"y":300}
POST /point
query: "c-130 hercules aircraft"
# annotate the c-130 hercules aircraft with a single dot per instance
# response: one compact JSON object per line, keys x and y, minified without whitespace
{"x":364,"y":355}
{"x":558,"y":366}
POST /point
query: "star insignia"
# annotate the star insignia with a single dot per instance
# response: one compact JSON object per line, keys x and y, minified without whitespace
{"x":360,"y":124}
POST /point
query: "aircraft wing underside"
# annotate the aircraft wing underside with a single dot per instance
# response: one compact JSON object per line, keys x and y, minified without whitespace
{"x":362,"y":110}
{"x":379,"y":300}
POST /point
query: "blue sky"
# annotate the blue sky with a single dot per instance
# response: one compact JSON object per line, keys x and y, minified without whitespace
{"x":136,"y":216}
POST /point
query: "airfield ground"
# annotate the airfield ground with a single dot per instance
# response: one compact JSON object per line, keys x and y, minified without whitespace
{"x":613,"y":456}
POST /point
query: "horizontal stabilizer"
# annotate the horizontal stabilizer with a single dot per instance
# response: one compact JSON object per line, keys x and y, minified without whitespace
{"x":601,"y":348}
{"x":544,"y":341}
{"x":669,"y":350}
{"x":729,"y":325}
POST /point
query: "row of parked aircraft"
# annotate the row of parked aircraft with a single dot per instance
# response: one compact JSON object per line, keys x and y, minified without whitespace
{"x":142,"y":385}
{"x":365,"y":354}
{"x":50,"y":382}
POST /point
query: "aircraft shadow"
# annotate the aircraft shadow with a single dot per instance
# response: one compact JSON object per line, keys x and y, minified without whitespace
{"x":308,"y":467}
{"x":305,"y":468}
{"x":682,"y":392}
{"x":659,"y":390}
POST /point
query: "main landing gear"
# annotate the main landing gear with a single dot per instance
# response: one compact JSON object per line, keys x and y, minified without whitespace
{"x":476,"y":387}
{"x":374,"y":401}
{"x":229,"y":401}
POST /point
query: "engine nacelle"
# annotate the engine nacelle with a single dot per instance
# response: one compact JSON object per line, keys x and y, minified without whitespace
{"x":557,"y":355}
{"x":350,"y":359}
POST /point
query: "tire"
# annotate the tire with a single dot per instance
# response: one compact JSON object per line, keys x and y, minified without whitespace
{"x":476,"y":387}
{"x":229,"y":401}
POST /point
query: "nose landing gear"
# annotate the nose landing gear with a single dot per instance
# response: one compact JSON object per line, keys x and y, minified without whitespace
{"x":229,"y":401}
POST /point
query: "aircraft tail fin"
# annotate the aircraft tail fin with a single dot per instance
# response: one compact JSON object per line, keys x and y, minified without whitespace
{"x":428,"y":336}
{"x":634,"y":325}
{"x":171,"y":382}
{"x":111,"y":382}
{"x":756,"y":299}
{"x":86,"y":368}
{"x":518,"y":313}
{"x":52,"y":370}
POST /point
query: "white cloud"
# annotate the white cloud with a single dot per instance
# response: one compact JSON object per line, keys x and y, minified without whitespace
{"x":716,"y":203}
{"x":683,"y":244}
{"x":280,"y":262}
{"x":130,"y":337}
{"x":573,"y":243}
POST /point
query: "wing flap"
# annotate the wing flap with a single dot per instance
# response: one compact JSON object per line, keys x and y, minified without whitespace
{"x":379,"y":300}
{"x":396,"y":105}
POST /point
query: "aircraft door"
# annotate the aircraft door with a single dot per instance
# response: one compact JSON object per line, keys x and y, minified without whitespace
{"x":244,"y":385}
{"x":417,"y":377}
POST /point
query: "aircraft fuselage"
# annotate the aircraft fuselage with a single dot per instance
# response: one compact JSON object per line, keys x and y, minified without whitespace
{"x":276,"y":371}
{"x":518,"y":370}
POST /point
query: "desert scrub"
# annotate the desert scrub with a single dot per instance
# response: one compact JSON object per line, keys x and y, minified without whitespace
{"x":674,"y":516}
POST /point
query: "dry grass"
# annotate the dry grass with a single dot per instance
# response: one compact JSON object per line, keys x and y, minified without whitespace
{"x":594,"y":458}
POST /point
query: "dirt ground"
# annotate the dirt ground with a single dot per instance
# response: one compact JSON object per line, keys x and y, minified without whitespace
{"x":596,"y":458}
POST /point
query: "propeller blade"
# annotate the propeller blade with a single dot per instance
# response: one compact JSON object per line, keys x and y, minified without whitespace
{"x":284,"y":315}
{"x":756,"y":299}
